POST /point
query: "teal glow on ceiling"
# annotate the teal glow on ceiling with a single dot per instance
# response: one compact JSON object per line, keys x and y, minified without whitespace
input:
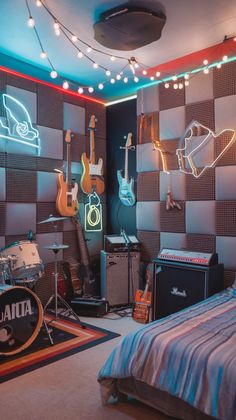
{"x":187,"y":29}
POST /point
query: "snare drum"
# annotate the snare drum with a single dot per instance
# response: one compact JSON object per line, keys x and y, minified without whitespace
{"x":21,"y":317}
{"x":27,"y":263}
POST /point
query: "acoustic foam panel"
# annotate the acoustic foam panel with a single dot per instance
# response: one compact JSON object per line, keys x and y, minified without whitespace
{"x":150,"y":244}
{"x":44,"y":211}
{"x":202,"y":188}
{"x":27,"y":99}
{"x":148,"y":159}
{"x":2,"y":160}
{"x":172,"y":123}
{"x":44,"y":287}
{"x":2,"y":184}
{"x":21,"y":185}
{"x":171,"y":98}
{"x":148,"y":100}
{"x":148,"y":215}
{"x":225,"y":113}
{"x":226,"y":218}
{"x":77,"y":146}
{"x":51,"y":142}
{"x":20,"y":218}
{"x":75,"y":100}
{"x":46,"y":186}
{"x":3,"y":218}
{"x":200,"y":242}
{"x":21,"y":161}
{"x":70,"y":238}
{"x":46,"y":239}
{"x":74,"y":118}
{"x":148,"y":186}
{"x":228,"y":157}
{"x":225,"y":247}
{"x":100,"y":113}
{"x":176,"y":180}
{"x":203,"y":112}
{"x":200,"y":88}
{"x":200,"y":217}
{"x":94,"y":242}
{"x":172,"y":240}
{"x":2,"y":241}
{"x":229,"y":278}
{"x":225,"y":182}
{"x":50,"y":107}
{"x":21,"y":83}
{"x":224,"y":81}
{"x":172,"y":220}
{"x":49,"y":165}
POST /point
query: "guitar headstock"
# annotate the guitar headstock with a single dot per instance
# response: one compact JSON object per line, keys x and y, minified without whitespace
{"x":92,"y":122}
{"x":128,"y":143}
{"x":68,"y":136}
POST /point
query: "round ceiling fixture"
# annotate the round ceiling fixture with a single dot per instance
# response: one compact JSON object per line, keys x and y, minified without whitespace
{"x":128,"y":27}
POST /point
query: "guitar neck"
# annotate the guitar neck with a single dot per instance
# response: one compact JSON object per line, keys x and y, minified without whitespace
{"x":68,"y":167}
{"x":126,"y":164}
{"x":92,"y":147}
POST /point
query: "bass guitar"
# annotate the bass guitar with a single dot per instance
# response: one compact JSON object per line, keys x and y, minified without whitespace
{"x":92,"y":176}
{"x":126,"y":184}
{"x":85,"y":272}
{"x":66,"y":202}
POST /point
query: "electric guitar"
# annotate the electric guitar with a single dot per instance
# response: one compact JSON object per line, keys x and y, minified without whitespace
{"x":143,"y":299}
{"x":126,"y":184}
{"x":66,"y":202}
{"x":92,"y":176}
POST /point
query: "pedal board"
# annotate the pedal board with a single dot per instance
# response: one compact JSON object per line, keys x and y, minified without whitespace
{"x":90,"y":306}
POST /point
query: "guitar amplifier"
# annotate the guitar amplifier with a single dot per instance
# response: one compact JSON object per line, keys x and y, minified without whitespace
{"x":90,"y":307}
{"x":116,"y":243}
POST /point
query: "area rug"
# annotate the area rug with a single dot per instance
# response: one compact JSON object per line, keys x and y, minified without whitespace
{"x":69,"y":338}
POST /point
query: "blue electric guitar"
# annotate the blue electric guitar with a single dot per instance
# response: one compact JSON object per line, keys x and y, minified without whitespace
{"x":126,"y":184}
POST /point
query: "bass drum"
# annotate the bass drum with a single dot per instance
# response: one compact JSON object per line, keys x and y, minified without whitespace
{"x":21,"y":317}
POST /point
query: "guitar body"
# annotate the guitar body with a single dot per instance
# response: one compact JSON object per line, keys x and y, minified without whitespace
{"x":91,"y":179}
{"x":126,"y":190}
{"x":66,"y":202}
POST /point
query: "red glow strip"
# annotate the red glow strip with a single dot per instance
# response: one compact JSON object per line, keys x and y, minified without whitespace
{"x":60,"y":89}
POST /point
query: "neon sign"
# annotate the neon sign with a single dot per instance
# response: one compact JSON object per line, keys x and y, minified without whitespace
{"x":19,"y":127}
{"x":187,"y":154}
{"x":93,"y":214}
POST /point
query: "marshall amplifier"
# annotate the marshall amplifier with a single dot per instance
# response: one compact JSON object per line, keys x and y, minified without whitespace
{"x":178,"y":284}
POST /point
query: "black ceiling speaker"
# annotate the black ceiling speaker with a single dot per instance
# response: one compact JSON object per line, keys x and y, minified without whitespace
{"x":128,"y":27}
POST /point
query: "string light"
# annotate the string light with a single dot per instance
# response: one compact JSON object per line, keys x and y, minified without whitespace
{"x":53,"y":74}
{"x":158,"y":74}
{"x":174,"y":78}
{"x":225,"y":58}
{"x":108,"y":73}
{"x":136,"y":79}
{"x":205,"y":62}
{"x":206,"y":70}
{"x":175,"y":86}
{"x":118,"y":76}
{"x":152,"y":78}
{"x":100,"y":86}
{"x":95,"y":65}
{"x":38,"y":3}
{"x":80,"y":54}
{"x":186,"y":76}
{"x":186,"y":83}
{"x":74,"y":38}
{"x":218,"y":65}
{"x":125,"y":79}
{"x":144,"y":72}
{"x":31,"y":22}
{"x":43,"y":55}
{"x":181,"y":85}
{"x":112,"y":58}
{"x":89,"y":50}
{"x":112,"y":80}
{"x":90,"y":89}
{"x":65,"y":85}
{"x":167,"y":85}
{"x":80,"y":90}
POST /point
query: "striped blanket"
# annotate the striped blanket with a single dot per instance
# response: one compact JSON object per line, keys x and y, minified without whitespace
{"x":190,"y":354}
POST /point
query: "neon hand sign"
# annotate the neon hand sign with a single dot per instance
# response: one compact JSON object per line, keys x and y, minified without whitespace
{"x":195,"y":138}
{"x":19,"y":127}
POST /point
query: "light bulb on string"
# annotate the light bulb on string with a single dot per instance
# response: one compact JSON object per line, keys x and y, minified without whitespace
{"x":186,"y":76}
{"x":206,"y":70}
{"x":43,"y":55}
{"x":205,"y":62}
{"x":118,"y":77}
{"x":167,"y":85}
{"x":144,"y":72}
{"x":225,"y":58}
{"x":38,"y":3}
{"x":80,"y":90}
{"x":108,"y":73}
{"x":175,"y":86}
{"x":95,"y":65}
{"x":136,"y":79}
{"x":125,"y":79}
{"x":218,"y":65}
{"x":89,"y":50}
{"x":65,"y":85}
{"x":136,"y":65}
{"x":31,"y":22}
{"x":56,"y":25}
{"x":181,"y":86}
{"x":152,"y":78}
{"x":112,"y":81}
{"x":74,"y":38}
{"x":112,"y":58}
{"x":53,"y":74}
{"x":100,"y":86}
{"x":57,"y":32}
{"x":158,"y":73}
{"x":186,"y":83}
{"x":80,"y":54}
{"x":90,"y":89}
{"x":174,"y":78}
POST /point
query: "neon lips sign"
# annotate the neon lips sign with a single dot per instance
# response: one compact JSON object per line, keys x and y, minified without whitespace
{"x":18,"y":127}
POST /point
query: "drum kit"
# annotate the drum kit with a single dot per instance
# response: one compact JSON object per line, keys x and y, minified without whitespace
{"x":21,"y":311}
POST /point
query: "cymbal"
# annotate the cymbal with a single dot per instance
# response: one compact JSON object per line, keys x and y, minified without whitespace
{"x":53,"y":219}
{"x":56,"y":247}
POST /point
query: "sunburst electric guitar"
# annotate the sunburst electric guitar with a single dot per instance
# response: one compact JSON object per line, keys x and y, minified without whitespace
{"x":66,"y":202}
{"x":126,"y":184}
{"x":92,"y":176}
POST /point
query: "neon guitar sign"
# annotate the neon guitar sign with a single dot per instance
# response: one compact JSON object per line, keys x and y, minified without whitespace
{"x":18,"y":127}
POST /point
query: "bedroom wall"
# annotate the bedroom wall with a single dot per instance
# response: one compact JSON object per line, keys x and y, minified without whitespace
{"x":28,"y":186}
{"x":207,"y":219}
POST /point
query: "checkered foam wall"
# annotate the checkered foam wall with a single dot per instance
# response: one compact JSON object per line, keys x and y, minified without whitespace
{"x":207,"y":219}
{"x":28,"y":183}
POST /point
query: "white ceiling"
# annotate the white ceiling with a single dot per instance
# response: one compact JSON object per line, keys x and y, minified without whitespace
{"x":190,"y":26}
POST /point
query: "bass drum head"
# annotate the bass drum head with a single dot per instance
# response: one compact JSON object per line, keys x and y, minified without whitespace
{"x":21,"y":317}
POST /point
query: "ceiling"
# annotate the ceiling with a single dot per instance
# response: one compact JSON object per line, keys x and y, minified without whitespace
{"x":190,"y":26}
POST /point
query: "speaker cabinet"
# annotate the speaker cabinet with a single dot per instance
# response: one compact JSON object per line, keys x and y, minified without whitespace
{"x":176,"y":287}
{"x":114,"y":277}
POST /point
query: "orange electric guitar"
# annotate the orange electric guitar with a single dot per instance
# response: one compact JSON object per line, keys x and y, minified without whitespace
{"x":92,"y":176}
{"x":66,"y":202}
{"x":143,"y":300}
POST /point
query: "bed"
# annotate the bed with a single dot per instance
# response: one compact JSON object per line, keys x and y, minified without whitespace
{"x":183,"y":365}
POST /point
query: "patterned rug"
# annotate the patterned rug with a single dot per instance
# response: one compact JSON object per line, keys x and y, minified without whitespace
{"x":68,"y":337}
